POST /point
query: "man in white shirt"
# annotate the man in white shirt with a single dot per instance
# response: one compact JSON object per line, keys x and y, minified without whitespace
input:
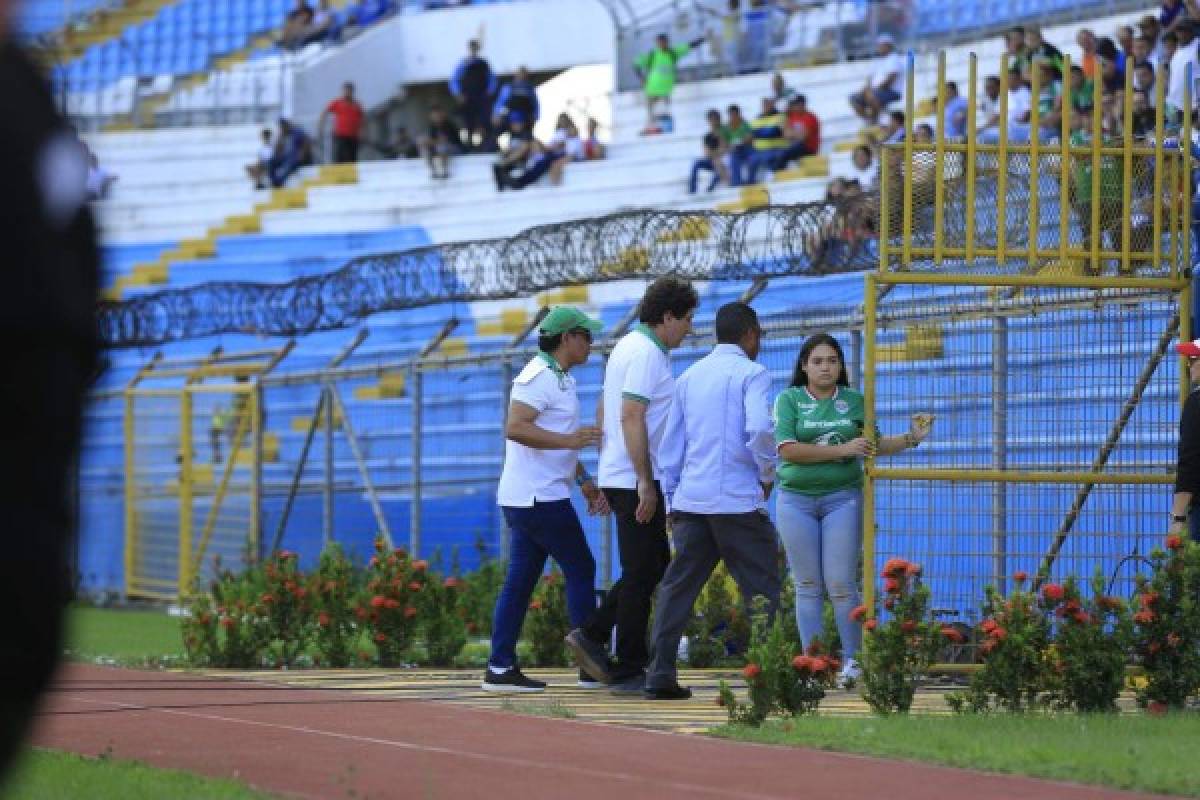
{"x":718,"y":462}
{"x":541,"y":459}
{"x":885,"y":85}
{"x":1185,"y":55}
{"x":1020,"y":107}
{"x":638,"y":387}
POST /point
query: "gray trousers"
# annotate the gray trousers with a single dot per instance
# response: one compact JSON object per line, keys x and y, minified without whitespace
{"x":748,"y":545}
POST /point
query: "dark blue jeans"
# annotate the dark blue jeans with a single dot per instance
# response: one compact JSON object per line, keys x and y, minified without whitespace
{"x":699,"y":164}
{"x":739,"y":160}
{"x":758,"y":160}
{"x":546,"y":529}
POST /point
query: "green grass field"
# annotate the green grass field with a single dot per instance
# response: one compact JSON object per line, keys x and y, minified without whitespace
{"x":134,"y":638}
{"x":55,"y":776}
{"x":1123,"y":751}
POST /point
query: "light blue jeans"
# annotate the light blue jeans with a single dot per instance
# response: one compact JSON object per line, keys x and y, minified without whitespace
{"x":823,"y":536}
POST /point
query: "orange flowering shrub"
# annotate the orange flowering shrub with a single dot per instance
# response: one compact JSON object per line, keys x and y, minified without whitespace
{"x":387,"y":607}
{"x":546,"y":623}
{"x":1167,"y":625}
{"x":898,"y":651}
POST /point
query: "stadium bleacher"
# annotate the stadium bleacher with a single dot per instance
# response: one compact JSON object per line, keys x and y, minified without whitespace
{"x":179,"y":184}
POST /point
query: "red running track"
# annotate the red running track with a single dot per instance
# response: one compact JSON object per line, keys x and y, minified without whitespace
{"x":334,"y":744}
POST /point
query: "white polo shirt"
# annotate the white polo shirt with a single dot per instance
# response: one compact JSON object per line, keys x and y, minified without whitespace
{"x":531,"y":475}
{"x":638,"y":369}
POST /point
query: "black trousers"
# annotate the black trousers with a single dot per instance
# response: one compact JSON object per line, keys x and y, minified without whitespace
{"x":644,"y":557}
{"x":345,"y":149}
{"x":477,"y":117}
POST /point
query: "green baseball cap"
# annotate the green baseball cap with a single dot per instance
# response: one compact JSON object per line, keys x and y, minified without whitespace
{"x":565,"y":318}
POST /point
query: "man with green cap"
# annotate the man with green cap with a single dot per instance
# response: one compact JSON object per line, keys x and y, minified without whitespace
{"x":541,"y":459}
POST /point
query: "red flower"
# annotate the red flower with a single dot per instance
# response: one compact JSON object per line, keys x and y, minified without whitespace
{"x":1083,"y":618}
{"x":870,"y":624}
{"x":1052,"y":593}
{"x":415,"y":586}
{"x":987,"y":647}
{"x":894,"y":568}
{"x":912,"y":570}
{"x":1174,"y":542}
{"x":998,"y":634}
{"x":420,"y":566}
{"x":409,"y":612}
{"x":820,"y":664}
{"x":1148,"y":599}
{"x":452,"y":583}
{"x":858,"y":613}
{"x":391,"y":602}
{"x":908,"y":626}
{"x":802,"y":663}
{"x":300,"y":592}
{"x":1109,"y":602}
{"x":892,"y":586}
{"x":381,"y":637}
{"x":268,"y":598}
{"x":400,"y":552}
{"x":360,"y":612}
{"x":988,"y":625}
{"x":289,"y":586}
{"x":378,"y":601}
{"x":952,"y":634}
{"x":751,"y":671}
{"x":228,"y":623}
{"x":1144,"y":617}
{"x":890,"y":603}
{"x":323,"y":619}
{"x":536,"y":605}
{"x":1020,"y":576}
{"x":472,"y":627}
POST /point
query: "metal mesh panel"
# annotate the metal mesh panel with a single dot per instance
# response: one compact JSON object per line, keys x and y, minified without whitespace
{"x":152,"y":557}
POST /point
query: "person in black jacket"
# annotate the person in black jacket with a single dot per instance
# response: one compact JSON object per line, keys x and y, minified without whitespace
{"x":473,"y":86}
{"x":1187,"y":470}
{"x":48,"y":318}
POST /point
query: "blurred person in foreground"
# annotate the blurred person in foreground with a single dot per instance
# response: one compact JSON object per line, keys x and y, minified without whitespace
{"x":51,"y":267}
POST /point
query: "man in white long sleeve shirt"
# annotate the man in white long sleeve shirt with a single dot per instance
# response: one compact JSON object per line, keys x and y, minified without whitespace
{"x":717,"y":459}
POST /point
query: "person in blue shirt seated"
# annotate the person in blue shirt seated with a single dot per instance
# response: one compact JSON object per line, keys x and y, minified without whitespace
{"x":293,"y":150}
{"x":954,"y":118}
{"x":518,"y":96}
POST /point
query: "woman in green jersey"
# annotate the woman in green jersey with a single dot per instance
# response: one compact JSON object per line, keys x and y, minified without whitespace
{"x":821,"y":442}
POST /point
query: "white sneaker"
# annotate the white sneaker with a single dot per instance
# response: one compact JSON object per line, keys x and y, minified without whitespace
{"x":850,"y":675}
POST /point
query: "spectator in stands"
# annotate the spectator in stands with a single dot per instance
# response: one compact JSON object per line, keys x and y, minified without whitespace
{"x":324,"y":24}
{"x":517,"y":102}
{"x":989,"y":104}
{"x":739,"y":137}
{"x":1087,"y":49}
{"x":347,"y":125}
{"x":803,"y":132}
{"x":1020,"y":107}
{"x":539,"y":160}
{"x":1171,"y":14}
{"x":474,"y":86}
{"x":593,"y":148}
{"x":1143,"y":114}
{"x":1015,"y":51}
{"x":258,"y":170}
{"x":1081,"y":195}
{"x":1049,"y":99}
{"x":1082,"y":91}
{"x":884,"y":86}
{"x":442,"y":141}
{"x":780,"y":91}
{"x":1148,"y":26}
{"x":1125,"y":40}
{"x":715,"y":150}
{"x":1177,"y":72}
{"x":893,"y":130}
{"x":296,"y":26}
{"x":1169,"y":45}
{"x":293,"y":150}
{"x":954,"y":116}
{"x":404,"y":146}
{"x":99,"y":180}
{"x":1111,"y":73}
{"x":566,"y":144}
{"x":731,"y":38}
{"x":658,"y":70}
{"x":770,"y":142}
{"x":1143,"y":51}
{"x":1040,"y":48}
{"x":521,"y":148}
{"x":1143,"y":79}
{"x":865,"y":169}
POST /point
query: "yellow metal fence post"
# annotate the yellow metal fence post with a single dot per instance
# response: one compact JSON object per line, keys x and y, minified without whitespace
{"x":870,"y":297}
{"x":1127,"y":175}
{"x":185,"y":493}
{"x":906,"y":168}
{"x":130,"y":492}
{"x":1002,"y":167}
{"x":970,"y":157}
{"x":1035,"y":127}
{"x":939,"y":169}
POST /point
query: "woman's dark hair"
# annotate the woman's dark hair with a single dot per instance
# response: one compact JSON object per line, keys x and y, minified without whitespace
{"x":667,"y":294}
{"x":548,"y":344}
{"x":799,"y":378}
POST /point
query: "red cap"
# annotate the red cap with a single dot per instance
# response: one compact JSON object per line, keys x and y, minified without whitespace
{"x":1190,"y":349}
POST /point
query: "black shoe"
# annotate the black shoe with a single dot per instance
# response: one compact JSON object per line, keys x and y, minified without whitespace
{"x":588,"y":682}
{"x":511,"y":681}
{"x":591,"y":657}
{"x":632,"y":685}
{"x":673,"y":692}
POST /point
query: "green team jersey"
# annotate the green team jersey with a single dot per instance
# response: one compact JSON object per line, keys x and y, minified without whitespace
{"x":1111,"y":179}
{"x":659,"y":68}
{"x":800,"y":417}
